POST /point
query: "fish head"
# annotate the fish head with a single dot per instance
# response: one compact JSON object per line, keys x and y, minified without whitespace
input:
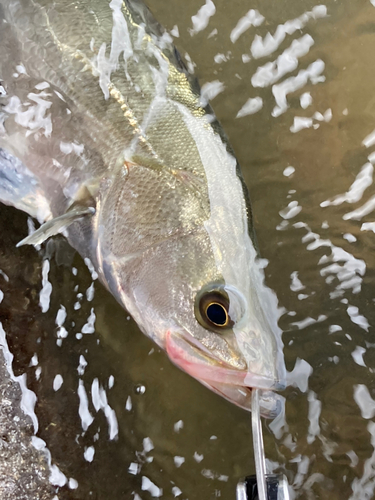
{"x":224,"y":338}
{"x":223,"y":332}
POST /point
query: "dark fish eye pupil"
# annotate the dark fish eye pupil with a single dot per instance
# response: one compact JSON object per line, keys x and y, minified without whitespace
{"x":217,"y":314}
{"x":211,"y":308}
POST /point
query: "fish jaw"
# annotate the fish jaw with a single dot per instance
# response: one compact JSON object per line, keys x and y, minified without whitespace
{"x":234,"y":385}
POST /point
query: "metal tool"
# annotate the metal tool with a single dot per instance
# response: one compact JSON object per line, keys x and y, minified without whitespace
{"x":262,"y":486}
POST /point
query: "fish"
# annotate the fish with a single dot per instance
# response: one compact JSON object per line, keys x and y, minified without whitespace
{"x":105,"y":138}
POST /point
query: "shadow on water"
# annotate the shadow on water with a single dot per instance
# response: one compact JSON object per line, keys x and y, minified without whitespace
{"x":297,"y":155}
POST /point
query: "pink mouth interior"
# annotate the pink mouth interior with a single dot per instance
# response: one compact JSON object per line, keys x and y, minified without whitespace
{"x":208,"y":370}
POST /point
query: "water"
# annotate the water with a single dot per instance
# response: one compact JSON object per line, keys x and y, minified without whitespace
{"x":139,"y":425}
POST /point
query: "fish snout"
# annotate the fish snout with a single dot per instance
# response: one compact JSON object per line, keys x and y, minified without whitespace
{"x":232,"y":384}
{"x":204,"y":367}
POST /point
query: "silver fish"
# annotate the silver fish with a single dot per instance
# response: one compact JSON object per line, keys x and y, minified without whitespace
{"x":104,"y":136}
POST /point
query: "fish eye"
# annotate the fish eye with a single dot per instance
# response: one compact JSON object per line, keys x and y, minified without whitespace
{"x":212,"y":309}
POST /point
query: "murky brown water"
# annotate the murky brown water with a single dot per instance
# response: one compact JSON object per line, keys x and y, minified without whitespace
{"x":321,"y":265}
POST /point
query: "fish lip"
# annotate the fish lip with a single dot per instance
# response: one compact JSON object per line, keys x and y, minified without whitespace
{"x":210,"y":371}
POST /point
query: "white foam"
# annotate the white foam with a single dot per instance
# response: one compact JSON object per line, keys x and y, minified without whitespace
{"x":57,"y":382}
{"x":72,"y":484}
{"x":353,"y":458}
{"x":32,"y":114}
{"x":315,"y":408}
{"x":360,"y":212}
{"x":302,"y":469}
{"x":61,"y":316}
{"x":308,"y":321}
{"x":363,"y":487}
{"x":176,"y":491}
{"x":349,"y":273}
{"x":191,"y":64}
{"x":220,"y":58}
{"x":83,"y":410}
{"x":100,"y":402}
{"x":178,"y":426}
{"x":279,"y":425}
{"x":251,"y":106}
{"x":71,"y":147}
{"x":148,"y":445}
{"x":347,"y":268}
{"x":91,"y":268}
{"x":57,"y":478}
{"x":178,"y":461}
{"x":82,"y":365}
{"x":175,"y":31}
{"x":368,"y":226}
{"x":369,"y":140}
{"x":45,"y":293}
{"x":210,"y":90}
{"x":291,"y":210}
{"x":128,"y":405}
{"x":262,"y":47}
{"x":300,"y":374}
{"x":286,"y":62}
{"x":335,"y":328}
{"x":362,"y":181}
{"x":305,"y":100}
{"x":288,"y":171}
{"x":210,"y":474}
{"x":349,"y":237}
{"x":60,"y":319}
{"x":252,"y":18}
{"x":151,"y":487}
{"x":120,"y":44}
{"x":89,"y":453}
{"x":364,"y":401}
{"x":281,"y":90}
{"x":89,"y":326}
{"x":34,"y":360}
{"x":296,"y":284}
{"x":90,"y":292}
{"x":357,"y":355}
{"x":133,"y":468}
{"x":4,"y":276}
{"x":356,"y":318}
{"x":300,"y":123}
{"x":201,"y":19}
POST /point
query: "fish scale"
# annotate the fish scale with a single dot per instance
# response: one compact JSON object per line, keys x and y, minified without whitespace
{"x":105,"y":127}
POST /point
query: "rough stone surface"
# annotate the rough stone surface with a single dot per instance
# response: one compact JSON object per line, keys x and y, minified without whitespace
{"x":24,"y":471}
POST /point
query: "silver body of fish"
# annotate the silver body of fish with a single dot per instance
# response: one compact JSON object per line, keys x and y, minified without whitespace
{"x":103,"y":135}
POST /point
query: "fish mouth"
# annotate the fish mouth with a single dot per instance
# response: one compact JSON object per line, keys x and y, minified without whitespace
{"x":232,"y":384}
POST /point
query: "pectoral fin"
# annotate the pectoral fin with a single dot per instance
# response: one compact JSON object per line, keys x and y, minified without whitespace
{"x":56,"y":225}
